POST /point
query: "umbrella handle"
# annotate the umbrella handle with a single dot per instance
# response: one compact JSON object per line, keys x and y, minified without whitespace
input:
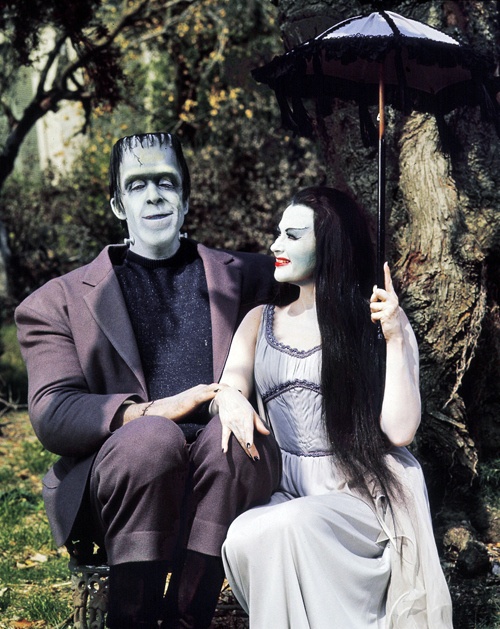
{"x":381,"y":101}
{"x":381,"y":181}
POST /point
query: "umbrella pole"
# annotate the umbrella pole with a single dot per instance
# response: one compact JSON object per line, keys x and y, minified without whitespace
{"x":381,"y":180}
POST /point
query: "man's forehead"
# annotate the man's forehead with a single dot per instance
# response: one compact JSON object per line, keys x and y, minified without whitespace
{"x":143,"y":159}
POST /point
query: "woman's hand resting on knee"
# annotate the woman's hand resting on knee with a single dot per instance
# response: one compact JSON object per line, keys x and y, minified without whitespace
{"x":239,"y":418}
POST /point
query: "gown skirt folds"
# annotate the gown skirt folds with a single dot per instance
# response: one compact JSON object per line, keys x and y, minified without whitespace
{"x":319,"y":555}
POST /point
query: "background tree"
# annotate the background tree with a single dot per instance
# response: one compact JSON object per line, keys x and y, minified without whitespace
{"x":85,"y":46}
{"x":184,"y":66}
{"x":179,"y":66}
{"x":444,"y":249}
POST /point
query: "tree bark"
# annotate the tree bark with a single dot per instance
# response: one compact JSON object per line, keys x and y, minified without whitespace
{"x":443,"y":244}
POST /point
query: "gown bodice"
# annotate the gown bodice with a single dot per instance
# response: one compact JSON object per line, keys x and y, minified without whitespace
{"x":288,"y":382}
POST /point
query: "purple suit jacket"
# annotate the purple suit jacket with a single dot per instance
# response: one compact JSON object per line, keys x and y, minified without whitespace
{"x":83,"y":363}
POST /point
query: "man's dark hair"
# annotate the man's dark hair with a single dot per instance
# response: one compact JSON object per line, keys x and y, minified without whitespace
{"x":146,"y":140}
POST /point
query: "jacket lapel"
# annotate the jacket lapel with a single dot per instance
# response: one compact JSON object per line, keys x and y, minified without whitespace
{"x":224,"y":289}
{"x":107,"y":306}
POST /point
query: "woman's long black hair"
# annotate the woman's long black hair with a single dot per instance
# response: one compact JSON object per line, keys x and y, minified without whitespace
{"x":353,"y":355}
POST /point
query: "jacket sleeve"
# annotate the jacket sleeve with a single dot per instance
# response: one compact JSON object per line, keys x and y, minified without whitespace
{"x":68,"y":416}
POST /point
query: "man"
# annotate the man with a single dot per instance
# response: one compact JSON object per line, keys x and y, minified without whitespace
{"x":116,"y":352}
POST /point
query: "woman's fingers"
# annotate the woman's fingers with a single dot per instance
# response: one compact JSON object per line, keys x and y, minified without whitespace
{"x":384,"y":306}
{"x":245,"y":441}
{"x":260,"y":426}
{"x":388,"y":278}
{"x":226,"y":433}
{"x":237,"y":416}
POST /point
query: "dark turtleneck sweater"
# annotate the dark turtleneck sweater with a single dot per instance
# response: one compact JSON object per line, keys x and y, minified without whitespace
{"x":168,"y":305}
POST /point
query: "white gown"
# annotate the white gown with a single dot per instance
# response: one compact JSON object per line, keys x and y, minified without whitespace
{"x":318,"y":555}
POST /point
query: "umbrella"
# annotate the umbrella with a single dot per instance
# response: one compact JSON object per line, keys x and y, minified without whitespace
{"x":380,"y":58}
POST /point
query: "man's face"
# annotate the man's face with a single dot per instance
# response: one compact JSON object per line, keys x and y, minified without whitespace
{"x":151,"y":200}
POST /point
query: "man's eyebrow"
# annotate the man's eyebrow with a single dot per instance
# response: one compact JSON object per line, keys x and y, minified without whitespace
{"x":173,"y":177}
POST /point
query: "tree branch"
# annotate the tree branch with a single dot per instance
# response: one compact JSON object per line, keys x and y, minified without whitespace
{"x":52,"y":56}
{"x":127,"y":18}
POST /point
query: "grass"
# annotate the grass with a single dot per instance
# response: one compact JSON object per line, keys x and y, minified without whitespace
{"x":34,"y":578}
{"x":13,"y":380}
{"x":35,"y":590}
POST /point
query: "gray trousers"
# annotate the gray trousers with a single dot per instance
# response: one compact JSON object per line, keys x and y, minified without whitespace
{"x":152,"y":494}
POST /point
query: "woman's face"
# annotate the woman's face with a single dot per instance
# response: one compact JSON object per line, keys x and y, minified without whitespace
{"x":295,"y":246}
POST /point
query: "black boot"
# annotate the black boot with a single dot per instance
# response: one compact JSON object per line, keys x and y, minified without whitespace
{"x":136,"y":594}
{"x":193,"y":592}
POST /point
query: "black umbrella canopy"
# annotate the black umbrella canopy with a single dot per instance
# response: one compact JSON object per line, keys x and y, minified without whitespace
{"x":385,"y":58}
{"x":420,"y":67}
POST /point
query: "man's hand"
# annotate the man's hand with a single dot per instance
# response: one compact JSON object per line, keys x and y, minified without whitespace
{"x":238,"y":417}
{"x":174,"y":407}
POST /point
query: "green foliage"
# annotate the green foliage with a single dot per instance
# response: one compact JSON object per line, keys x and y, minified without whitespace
{"x":54,"y":227}
{"x":489,"y":476}
{"x":13,"y":378}
{"x":26,"y":23}
{"x":192,"y":79}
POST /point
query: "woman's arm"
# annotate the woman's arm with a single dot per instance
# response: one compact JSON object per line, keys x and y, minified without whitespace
{"x":237,"y":415}
{"x":401,"y":408}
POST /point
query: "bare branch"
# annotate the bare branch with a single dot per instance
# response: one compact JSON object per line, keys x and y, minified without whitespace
{"x":52,"y":56}
{"x":8,"y":405}
{"x":127,"y":18}
{"x":8,"y":113}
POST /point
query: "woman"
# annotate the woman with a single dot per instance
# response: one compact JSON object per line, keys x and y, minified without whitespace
{"x":346,"y":541}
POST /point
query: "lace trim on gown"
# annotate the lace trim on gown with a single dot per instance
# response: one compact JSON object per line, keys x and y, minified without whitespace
{"x":273,"y":342}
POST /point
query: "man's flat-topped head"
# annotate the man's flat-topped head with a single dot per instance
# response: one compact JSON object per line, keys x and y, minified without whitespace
{"x":150,"y":187}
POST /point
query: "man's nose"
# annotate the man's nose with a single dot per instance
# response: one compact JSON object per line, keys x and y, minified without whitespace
{"x":153,"y":195}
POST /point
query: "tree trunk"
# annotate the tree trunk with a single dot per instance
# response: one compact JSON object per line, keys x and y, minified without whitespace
{"x":444,"y":245}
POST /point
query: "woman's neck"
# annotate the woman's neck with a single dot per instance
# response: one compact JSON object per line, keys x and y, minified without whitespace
{"x":306,"y":301}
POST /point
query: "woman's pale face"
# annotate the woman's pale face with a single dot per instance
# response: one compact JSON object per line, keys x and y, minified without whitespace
{"x":295,"y":246}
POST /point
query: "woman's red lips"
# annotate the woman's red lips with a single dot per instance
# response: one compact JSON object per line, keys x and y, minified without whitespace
{"x":281,"y":262}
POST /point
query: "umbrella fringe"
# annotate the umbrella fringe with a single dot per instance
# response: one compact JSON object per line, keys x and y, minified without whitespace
{"x":294,"y":118}
{"x":300,"y":73}
{"x":323,"y":102}
{"x":301,"y":117}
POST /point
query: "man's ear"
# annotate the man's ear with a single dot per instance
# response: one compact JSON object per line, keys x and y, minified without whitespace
{"x":186,"y":207}
{"x":117,"y":208}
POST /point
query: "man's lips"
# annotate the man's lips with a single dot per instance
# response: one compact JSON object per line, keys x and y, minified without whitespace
{"x":157,"y":217}
{"x":281,"y":262}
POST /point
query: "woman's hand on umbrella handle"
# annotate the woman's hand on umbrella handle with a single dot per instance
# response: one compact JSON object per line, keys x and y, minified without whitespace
{"x":384,"y":308}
